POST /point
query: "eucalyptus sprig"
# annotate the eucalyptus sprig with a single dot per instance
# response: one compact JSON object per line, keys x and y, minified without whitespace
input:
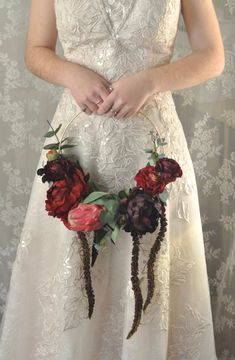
{"x":157,"y":143}
{"x":57,"y":145}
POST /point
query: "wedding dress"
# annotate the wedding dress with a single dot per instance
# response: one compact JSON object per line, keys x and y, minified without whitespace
{"x":46,"y":311}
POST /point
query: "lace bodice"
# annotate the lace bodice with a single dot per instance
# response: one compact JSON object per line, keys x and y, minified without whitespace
{"x":129,"y":34}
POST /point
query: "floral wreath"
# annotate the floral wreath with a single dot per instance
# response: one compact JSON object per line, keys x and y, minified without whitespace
{"x":77,"y":202}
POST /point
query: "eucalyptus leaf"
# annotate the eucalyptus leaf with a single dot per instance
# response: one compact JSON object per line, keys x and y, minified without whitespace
{"x":52,"y":132}
{"x":115,"y":233}
{"x":51,"y":146}
{"x":94,"y":196}
{"x":99,"y":234}
{"x":49,"y":134}
{"x":108,"y":216}
{"x":97,"y":247}
{"x":164,"y":196}
{"x":64,"y":139}
{"x":148,"y":150}
{"x":66,"y":146}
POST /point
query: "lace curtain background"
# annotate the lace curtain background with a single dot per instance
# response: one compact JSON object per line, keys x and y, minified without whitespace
{"x":208,"y":116}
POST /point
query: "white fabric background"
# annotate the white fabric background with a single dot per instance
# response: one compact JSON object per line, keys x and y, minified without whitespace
{"x":208,"y":116}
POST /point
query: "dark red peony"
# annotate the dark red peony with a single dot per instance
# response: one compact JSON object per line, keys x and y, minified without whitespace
{"x":65,"y":194}
{"x":169,"y":170}
{"x":142,"y":212}
{"x":148,"y":179}
{"x":58,"y":169}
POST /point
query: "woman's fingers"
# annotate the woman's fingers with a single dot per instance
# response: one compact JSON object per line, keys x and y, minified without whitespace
{"x":106,"y":106}
{"x":123,"y":112}
{"x":91,"y":106}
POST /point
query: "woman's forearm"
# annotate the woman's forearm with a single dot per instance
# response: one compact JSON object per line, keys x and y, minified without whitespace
{"x":188,"y":71}
{"x":46,"y":64}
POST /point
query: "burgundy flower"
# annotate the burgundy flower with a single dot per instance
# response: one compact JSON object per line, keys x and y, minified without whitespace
{"x":142,"y":212}
{"x":59,"y":169}
{"x":148,"y":179}
{"x":169,"y":170}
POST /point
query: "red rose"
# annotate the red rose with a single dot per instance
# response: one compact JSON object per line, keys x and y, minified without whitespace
{"x":65,"y":194}
{"x":85,"y":217}
{"x":169,"y":170}
{"x":148,"y":179}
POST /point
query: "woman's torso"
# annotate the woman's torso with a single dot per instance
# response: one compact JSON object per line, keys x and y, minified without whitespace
{"x":116,"y":38}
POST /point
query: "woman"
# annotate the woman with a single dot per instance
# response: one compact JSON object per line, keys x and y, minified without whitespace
{"x":117,"y":69}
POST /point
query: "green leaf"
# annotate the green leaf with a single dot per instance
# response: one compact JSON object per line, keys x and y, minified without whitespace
{"x":64,"y":139}
{"x":66,"y":146}
{"x":154,"y":156}
{"x":97,"y":246}
{"x":148,"y":150}
{"x":52,"y":132}
{"x":165,"y":194}
{"x":49,"y":134}
{"x":111,"y":205}
{"x":161,"y":141}
{"x":94,"y":196}
{"x":51,"y":146}
{"x":101,"y":246}
{"x":115,"y":233}
{"x":99,"y":234}
{"x":107,"y":217}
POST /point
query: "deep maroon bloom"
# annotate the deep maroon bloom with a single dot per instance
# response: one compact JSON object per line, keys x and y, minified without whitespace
{"x":59,"y":169}
{"x":142,"y":212}
{"x":168,"y":169}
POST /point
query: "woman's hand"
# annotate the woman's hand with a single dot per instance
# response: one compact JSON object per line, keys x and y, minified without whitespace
{"x":128,"y":96}
{"x":87,"y":87}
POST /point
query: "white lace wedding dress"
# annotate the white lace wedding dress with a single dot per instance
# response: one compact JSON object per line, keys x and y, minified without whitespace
{"x":46,"y":313}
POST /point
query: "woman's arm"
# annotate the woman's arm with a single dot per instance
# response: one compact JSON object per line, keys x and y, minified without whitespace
{"x":204,"y":62}
{"x":87,"y":87}
{"x":40,"y":56}
{"x":207,"y":57}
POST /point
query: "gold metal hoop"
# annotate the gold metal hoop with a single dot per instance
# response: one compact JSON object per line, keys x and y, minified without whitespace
{"x":139,"y":113}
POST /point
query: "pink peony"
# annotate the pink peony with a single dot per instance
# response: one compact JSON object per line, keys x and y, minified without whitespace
{"x":85,"y":217}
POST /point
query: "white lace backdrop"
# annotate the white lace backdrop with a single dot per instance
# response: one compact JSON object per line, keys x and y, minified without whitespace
{"x":208,"y":116}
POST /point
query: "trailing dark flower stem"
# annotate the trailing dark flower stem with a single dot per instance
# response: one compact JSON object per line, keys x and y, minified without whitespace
{"x":136,"y":285}
{"x":86,"y":271}
{"x":152,"y":257}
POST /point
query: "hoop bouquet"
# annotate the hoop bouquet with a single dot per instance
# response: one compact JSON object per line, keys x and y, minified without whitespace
{"x":74,"y":198}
